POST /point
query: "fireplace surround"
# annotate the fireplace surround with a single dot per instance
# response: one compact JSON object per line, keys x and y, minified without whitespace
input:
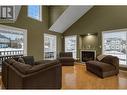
{"x":86,"y":55}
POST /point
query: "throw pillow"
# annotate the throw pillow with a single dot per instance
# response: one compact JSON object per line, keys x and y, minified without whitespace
{"x":100,"y":57}
{"x":10,"y":61}
{"x":28,"y":60}
{"x":21,"y":60}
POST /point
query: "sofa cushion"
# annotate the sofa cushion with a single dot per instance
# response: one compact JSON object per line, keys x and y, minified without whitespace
{"x":10,"y":61}
{"x":66,"y":59}
{"x":29,"y":60}
{"x":101,"y":66}
{"x":21,"y":60}
{"x":38,"y":67}
{"x":21,"y":67}
{"x":16,"y":58}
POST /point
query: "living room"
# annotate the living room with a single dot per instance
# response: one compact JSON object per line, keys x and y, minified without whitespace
{"x":88,"y":32}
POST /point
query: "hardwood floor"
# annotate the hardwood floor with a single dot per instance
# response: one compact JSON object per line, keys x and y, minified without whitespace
{"x":0,"y":83}
{"x":76,"y":77}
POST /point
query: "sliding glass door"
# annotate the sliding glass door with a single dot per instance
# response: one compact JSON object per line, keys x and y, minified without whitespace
{"x":49,"y":47}
{"x":71,"y":44}
{"x":115,"y":43}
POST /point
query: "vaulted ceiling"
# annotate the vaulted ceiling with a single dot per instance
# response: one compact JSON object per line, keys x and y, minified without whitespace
{"x":68,"y":17}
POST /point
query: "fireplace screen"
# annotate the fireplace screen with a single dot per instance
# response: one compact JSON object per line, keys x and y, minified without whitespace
{"x":87,"y":55}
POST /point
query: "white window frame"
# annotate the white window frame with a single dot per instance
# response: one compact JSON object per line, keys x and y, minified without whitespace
{"x":110,"y":31}
{"x":56,"y":45}
{"x":14,"y":29}
{"x":75,"y":45}
{"x":40,"y":13}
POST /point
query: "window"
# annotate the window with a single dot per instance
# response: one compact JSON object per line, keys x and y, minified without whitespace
{"x":13,"y":41}
{"x":49,"y":47}
{"x":35,"y":12}
{"x":115,"y":43}
{"x":71,"y":44}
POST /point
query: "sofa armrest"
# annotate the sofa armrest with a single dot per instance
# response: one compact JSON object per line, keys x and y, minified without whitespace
{"x":112,"y":60}
{"x":4,"y":73}
{"x":15,"y":79}
{"x":116,"y":63}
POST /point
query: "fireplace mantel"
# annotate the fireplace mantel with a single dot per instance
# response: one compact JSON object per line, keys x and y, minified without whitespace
{"x":86,"y":55}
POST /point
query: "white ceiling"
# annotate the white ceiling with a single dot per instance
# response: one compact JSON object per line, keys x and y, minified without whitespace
{"x":17,"y":10}
{"x":69,"y":16}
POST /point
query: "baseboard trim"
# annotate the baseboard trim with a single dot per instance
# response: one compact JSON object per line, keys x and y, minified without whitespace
{"x":123,"y":67}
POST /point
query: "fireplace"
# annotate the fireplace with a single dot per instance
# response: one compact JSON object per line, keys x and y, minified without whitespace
{"x":87,"y":55}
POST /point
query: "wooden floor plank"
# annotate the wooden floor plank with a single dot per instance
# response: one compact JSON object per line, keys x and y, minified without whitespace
{"x":77,"y":77}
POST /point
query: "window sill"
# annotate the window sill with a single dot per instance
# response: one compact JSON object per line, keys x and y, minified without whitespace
{"x":40,"y":20}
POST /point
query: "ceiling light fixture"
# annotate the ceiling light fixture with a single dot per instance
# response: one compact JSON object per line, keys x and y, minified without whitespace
{"x":88,"y":34}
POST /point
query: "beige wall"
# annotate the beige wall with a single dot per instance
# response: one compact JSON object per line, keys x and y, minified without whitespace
{"x":90,"y":42}
{"x":35,"y":31}
{"x":98,"y":19}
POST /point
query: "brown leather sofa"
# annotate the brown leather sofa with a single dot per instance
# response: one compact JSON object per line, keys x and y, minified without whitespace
{"x":66,"y":58}
{"x":43,"y":74}
{"x":108,"y":66}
